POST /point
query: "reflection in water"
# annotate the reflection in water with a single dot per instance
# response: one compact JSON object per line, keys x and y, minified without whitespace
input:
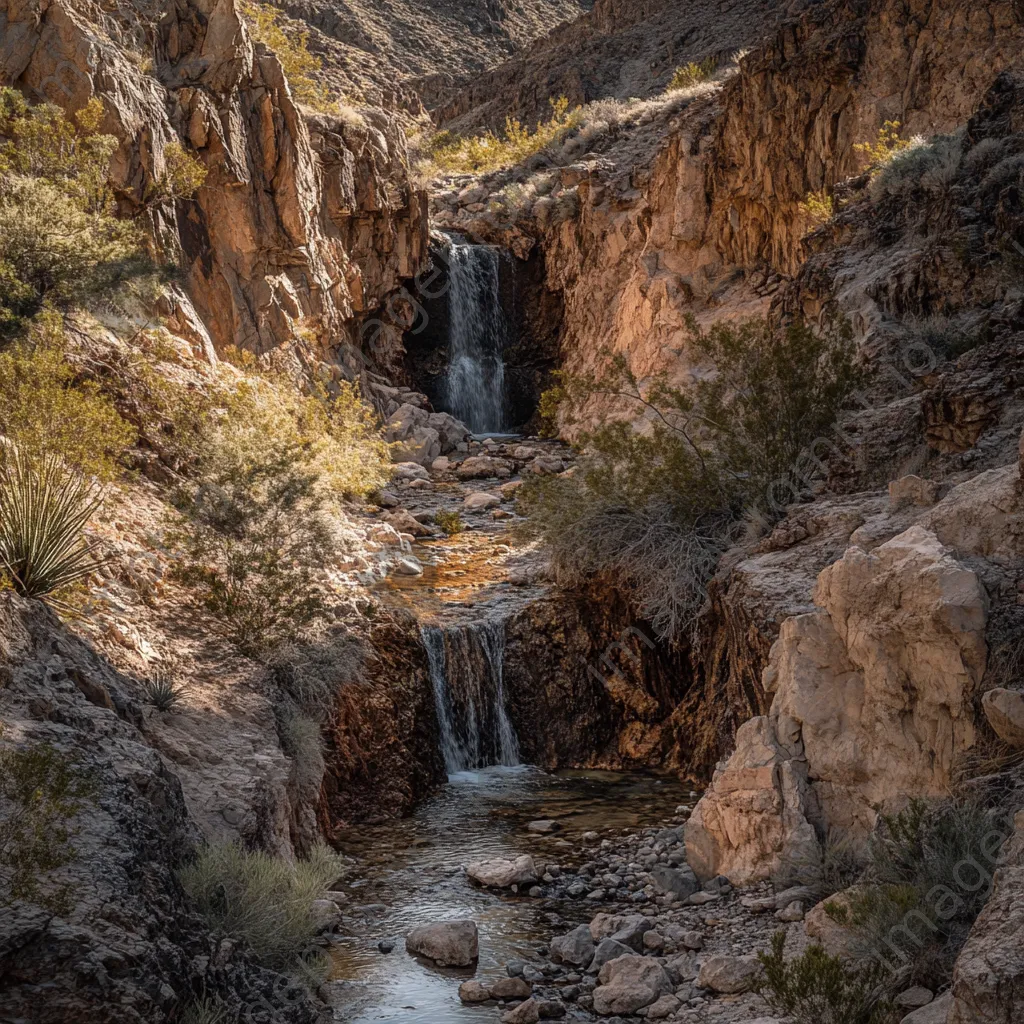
{"x":410,"y":872}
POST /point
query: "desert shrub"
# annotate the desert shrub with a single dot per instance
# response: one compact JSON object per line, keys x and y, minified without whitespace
{"x":929,"y":875}
{"x":817,"y":988}
{"x":60,"y":242}
{"x":205,"y":1011}
{"x":42,"y":790}
{"x":655,"y":508}
{"x":45,"y":410}
{"x":291,"y":45}
{"x":313,"y":671}
{"x":489,"y":151}
{"x":916,"y":179}
{"x":163,"y":692}
{"x":182,"y":177}
{"x":302,"y":741}
{"x":262,"y":900}
{"x":947,"y":338}
{"x":886,"y":145}
{"x":693,"y":73}
{"x":44,"y":508}
{"x":818,"y":207}
{"x":450,"y":522}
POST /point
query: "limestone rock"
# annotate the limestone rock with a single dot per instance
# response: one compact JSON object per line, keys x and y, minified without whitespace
{"x":913,"y":490}
{"x":405,"y":522}
{"x":680,"y":881}
{"x":482,"y":466}
{"x":499,"y":873}
{"x":729,"y":974}
{"x":447,"y":943}
{"x":630,"y":983}
{"x":898,"y":639}
{"x":1004,"y":710}
{"x":941,"y":1012}
{"x":474,"y":992}
{"x":479,"y":501}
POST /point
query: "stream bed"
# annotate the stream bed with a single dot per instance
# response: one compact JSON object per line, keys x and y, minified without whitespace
{"x":410,"y":872}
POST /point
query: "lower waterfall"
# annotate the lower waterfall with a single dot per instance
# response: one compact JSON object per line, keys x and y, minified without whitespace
{"x":469,"y":692}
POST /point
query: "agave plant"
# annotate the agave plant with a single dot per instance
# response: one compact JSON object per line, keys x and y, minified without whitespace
{"x":163,"y":692}
{"x":44,"y":507}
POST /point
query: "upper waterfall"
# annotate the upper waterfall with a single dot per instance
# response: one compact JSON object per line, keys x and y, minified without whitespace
{"x":477,"y":333}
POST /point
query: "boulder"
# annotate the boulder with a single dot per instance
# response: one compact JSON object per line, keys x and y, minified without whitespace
{"x":524,"y":1013}
{"x":450,"y":431}
{"x":1004,"y":710}
{"x":629,"y":983}
{"x":498,"y":873}
{"x":682,"y":968}
{"x":511,"y":988}
{"x":405,"y":471}
{"x":420,"y":436}
{"x":915,"y":997}
{"x":663,"y":1007}
{"x":479,"y":501}
{"x":941,"y":1011}
{"x":913,"y":490}
{"x":405,"y":522}
{"x":544,"y":826}
{"x":545,"y":466}
{"x":576,"y":947}
{"x":447,"y":943}
{"x":790,"y":913}
{"x":478,"y":467}
{"x":729,"y":974}
{"x":607,"y":949}
{"x":474,"y":992}
{"x":680,"y":881}
{"x":873,"y":699}
{"x":409,"y":565}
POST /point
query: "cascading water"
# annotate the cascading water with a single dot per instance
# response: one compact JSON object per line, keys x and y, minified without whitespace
{"x":475,"y":390}
{"x":469,"y":692}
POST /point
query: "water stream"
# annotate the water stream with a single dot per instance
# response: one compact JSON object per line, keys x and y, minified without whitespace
{"x":410,"y":872}
{"x":476,"y":336}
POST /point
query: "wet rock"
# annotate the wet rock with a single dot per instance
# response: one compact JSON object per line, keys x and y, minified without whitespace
{"x":386,"y":945}
{"x":524,"y":1013}
{"x":543,"y":826}
{"x":498,"y":873}
{"x":577,"y":947}
{"x":480,"y":501}
{"x":729,"y":974}
{"x":474,"y":992}
{"x":447,"y":943}
{"x":511,"y":988}
{"x":630,"y":983}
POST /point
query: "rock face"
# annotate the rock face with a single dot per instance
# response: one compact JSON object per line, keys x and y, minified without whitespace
{"x":872,"y":701}
{"x":132,"y":941}
{"x":448,"y":943}
{"x":303,"y":227}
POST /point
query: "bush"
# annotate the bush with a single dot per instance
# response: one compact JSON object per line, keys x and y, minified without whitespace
{"x":490,"y":152}
{"x":914,"y":912}
{"x":163,"y":692}
{"x":818,"y":207}
{"x":183,"y":176}
{"x":311,"y":673}
{"x":45,"y":411}
{"x":816,"y":988}
{"x":44,"y":508}
{"x":59,"y":240}
{"x":653,"y":509}
{"x":450,"y":522}
{"x":205,"y":1011}
{"x":291,"y":45}
{"x":262,"y":900}
{"x":302,"y":741}
{"x":693,"y":73}
{"x":43,"y":789}
{"x":886,"y":145}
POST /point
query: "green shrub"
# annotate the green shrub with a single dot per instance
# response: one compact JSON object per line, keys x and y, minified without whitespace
{"x":693,"y":73}
{"x":205,"y":1011}
{"x":302,"y":741}
{"x":818,"y":207}
{"x":46,"y":411}
{"x":654,"y":510}
{"x":929,"y":875}
{"x":886,"y":145}
{"x":450,"y":522}
{"x":44,"y":508}
{"x":816,"y":988}
{"x":42,"y":790}
{"x":263,"y":900}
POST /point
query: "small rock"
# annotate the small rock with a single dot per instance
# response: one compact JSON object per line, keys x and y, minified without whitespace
{"x":691,"y":940}
{"x":473,"y":992}
{"x":630,"y":983}
{"x":698,"y":899}
{"x":498,"y":873}
{"x":729,"y":974}
{"x":524,"y":1013}
{"x":607,"y":949}
{"x":653,"y":941}
{"x":544,"y":826}
{"x":478,"y":501}
{"x":577,"y":947}
{"x":551,"y":1009}
{"x":1004,"y":710}
{"x":409,"y":565}
{"x":447,"y":943}
{"x":511,"y":988}
{"x":682,"y":882}
{"x":386,"y":945}
{"x":915,"y":997}
{"x":793,"y":912}
{"x":663,"y":1007}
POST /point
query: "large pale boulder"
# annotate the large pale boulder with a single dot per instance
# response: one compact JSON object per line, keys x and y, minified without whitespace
{"x":630,"y":983}
{"x":872,"y":702}
{"x":447,"y":943}
{"x":1004,"y":710}
{"x":729,"y":974}
{"x":499,"y":873}
{"x":420,"y":436}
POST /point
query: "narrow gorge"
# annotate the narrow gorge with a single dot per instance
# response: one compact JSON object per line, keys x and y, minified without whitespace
{"x":511,"y":512}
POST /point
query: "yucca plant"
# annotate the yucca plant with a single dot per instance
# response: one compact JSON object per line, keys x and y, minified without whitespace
{"x":44,"y":507}
{"x":163,"y":692}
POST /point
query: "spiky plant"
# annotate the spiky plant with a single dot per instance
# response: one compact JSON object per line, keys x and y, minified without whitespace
{"x":44,"y":507}
{"x":163,"y":692}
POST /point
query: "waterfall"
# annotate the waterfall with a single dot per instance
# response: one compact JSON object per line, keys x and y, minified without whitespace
{"x":469,"y":693}
{"x":476,"y":336}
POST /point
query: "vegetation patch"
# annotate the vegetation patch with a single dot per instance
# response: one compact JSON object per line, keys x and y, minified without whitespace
{"x":693,"y":73}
